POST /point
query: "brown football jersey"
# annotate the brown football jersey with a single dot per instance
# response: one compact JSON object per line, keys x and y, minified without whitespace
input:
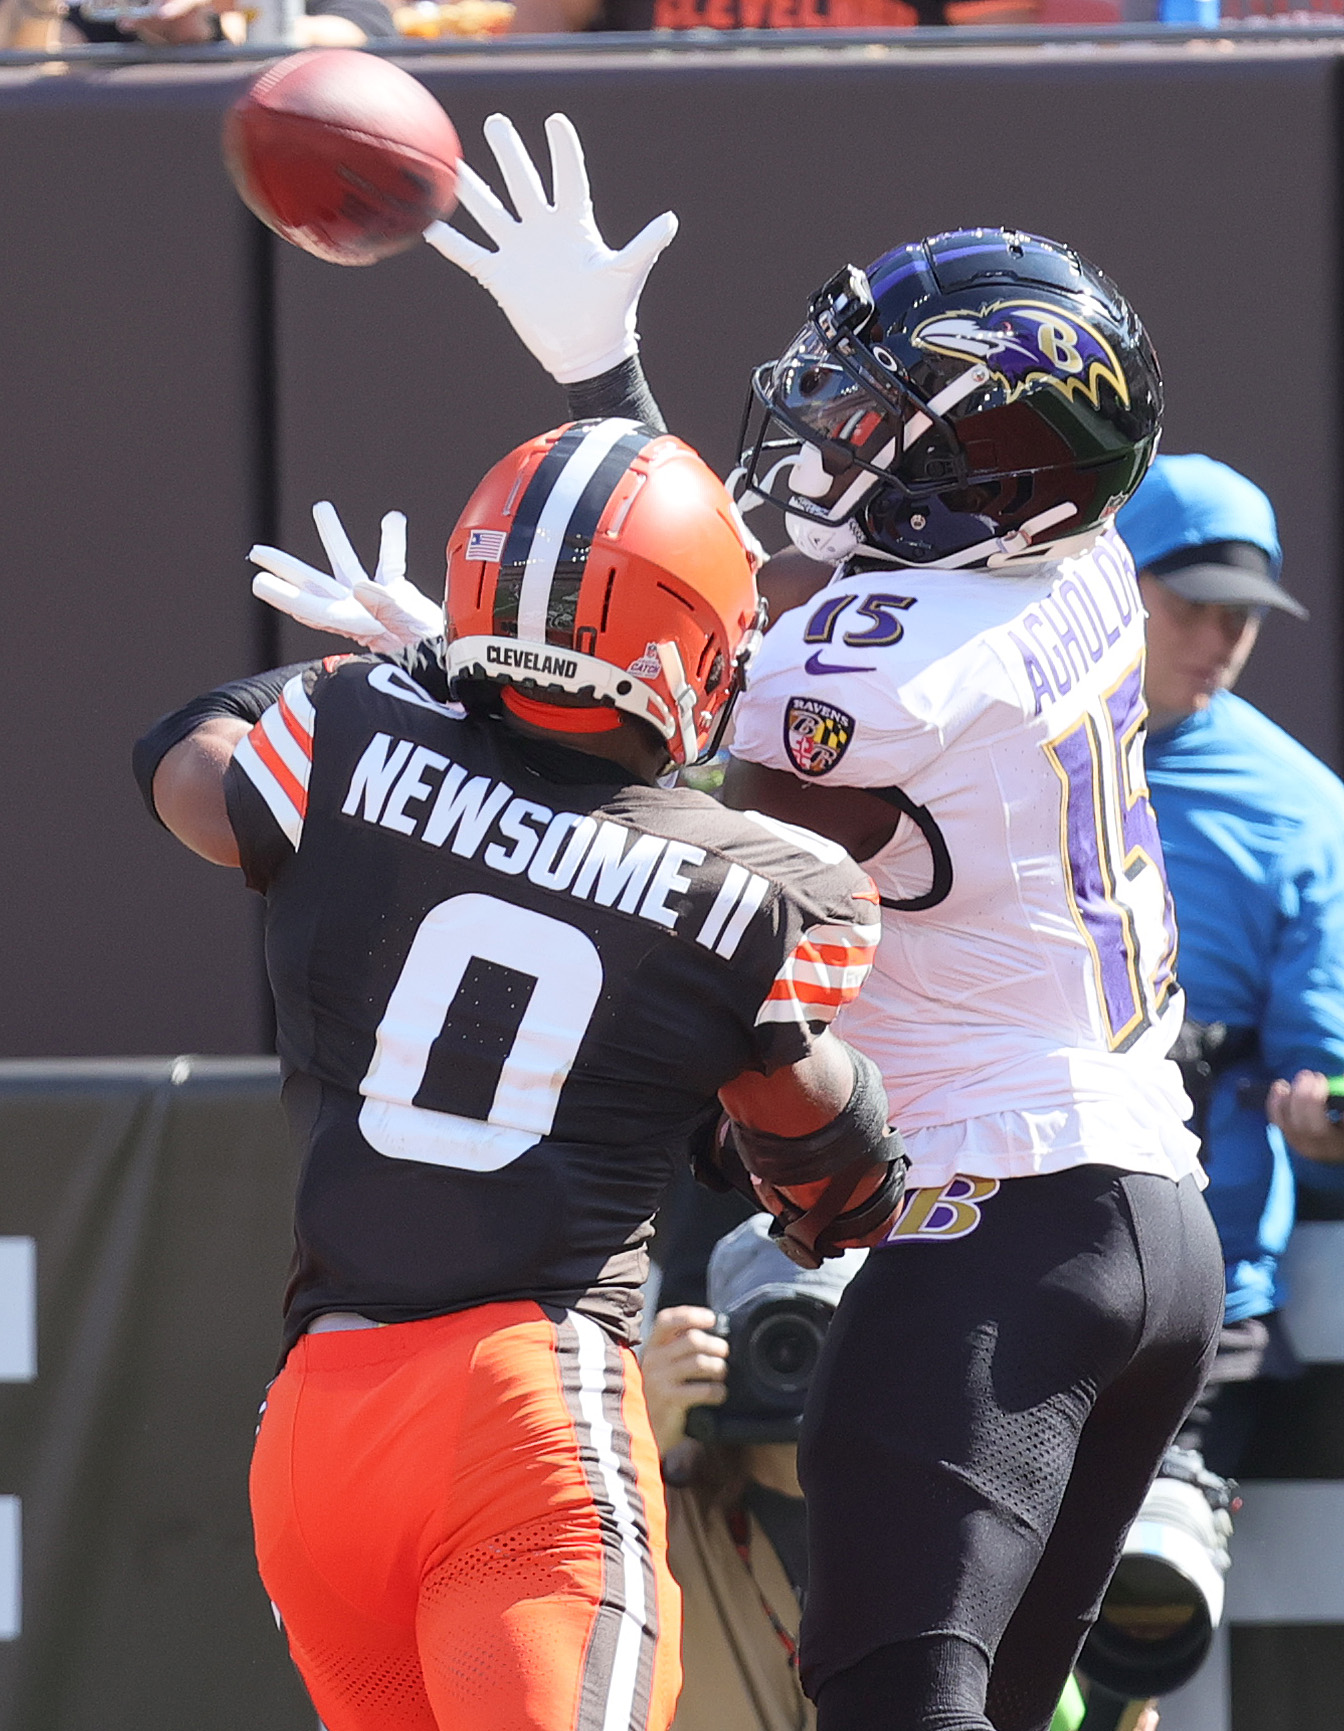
{"x":509,"y":980}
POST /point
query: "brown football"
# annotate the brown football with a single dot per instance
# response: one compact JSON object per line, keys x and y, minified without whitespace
{"x":342,"y":153}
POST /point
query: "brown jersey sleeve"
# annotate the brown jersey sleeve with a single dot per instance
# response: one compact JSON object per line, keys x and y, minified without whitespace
{"x":823,"y":970}
{"x":806,"y":948}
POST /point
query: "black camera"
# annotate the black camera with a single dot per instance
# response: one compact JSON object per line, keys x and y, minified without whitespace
{"x":774,"y":1336}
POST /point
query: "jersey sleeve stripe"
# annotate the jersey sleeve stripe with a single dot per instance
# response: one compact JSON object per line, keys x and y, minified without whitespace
{"x":263,"y":743}
{"x":836,"y":955}
{"x":282,"y":807}
{"x":827,"y":973}
{"x":831,"y":991}
{"x":797,"y":1010}
{"x":301,"y":737}
{"x":804,"y":968}
{"x":284,"y":747}
{"x":841,"y":943}
{"x":300,"y":704}
{"x":819,"y":976}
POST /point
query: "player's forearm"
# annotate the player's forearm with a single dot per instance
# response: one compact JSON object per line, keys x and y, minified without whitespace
{"x":622,"y":392}
{"x":816,"y":1124}
{"x":831,"y":1184}
{"x":795,"y":1101}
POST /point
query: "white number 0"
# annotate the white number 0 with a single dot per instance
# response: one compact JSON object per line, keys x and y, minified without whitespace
{"x":567,"y":970}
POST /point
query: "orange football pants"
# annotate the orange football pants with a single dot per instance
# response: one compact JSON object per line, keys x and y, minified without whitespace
{"x":461,"y":1524}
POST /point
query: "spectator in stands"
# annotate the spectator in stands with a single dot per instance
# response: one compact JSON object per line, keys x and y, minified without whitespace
{"x":28,"y":24}
{"x":48,"y":24}
{"x":1253,"y":831}
{"x":532,"y":17}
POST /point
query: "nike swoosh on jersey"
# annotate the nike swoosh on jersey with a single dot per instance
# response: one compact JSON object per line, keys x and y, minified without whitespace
{"x":814,"y":664}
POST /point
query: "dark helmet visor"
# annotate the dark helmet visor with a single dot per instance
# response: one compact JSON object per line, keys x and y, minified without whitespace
{"x":822,"y":398}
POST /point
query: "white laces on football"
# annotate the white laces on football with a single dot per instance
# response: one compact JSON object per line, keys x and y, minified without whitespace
{"x":385,"y":612}
{"x":571,"y":299}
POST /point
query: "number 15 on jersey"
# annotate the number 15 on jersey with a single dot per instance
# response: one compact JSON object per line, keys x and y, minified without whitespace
{"x":1113,"y":868}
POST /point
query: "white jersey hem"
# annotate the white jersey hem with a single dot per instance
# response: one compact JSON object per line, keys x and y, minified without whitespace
{"x":948,"y":1151}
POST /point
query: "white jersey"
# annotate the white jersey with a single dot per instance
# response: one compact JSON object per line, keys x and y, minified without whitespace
{"x":1022,"y":1009}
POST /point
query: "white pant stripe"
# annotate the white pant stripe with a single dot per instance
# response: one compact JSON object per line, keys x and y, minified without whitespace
{"x":625,"y":1665}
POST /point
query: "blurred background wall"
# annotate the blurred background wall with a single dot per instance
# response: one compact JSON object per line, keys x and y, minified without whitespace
{"x":175,"y":385}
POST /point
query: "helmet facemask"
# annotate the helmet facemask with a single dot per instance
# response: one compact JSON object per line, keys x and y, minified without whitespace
{"x":851,"y":422}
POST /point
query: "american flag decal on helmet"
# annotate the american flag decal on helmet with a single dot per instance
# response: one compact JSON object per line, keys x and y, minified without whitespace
{"x":486,"y":544}
{"x":546,"y":552}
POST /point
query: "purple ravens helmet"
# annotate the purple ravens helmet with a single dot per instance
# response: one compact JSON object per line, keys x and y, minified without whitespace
{"x":980,"y":398}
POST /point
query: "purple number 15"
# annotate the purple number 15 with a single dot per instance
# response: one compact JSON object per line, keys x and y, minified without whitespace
{"x":1110,"y":838}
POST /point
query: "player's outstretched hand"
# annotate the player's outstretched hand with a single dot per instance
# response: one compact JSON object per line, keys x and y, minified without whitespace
{"x":385,"y":612}
{"x":570,"y":298}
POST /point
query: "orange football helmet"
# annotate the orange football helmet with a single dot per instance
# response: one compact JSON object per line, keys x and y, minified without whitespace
{"x":606,"y":561}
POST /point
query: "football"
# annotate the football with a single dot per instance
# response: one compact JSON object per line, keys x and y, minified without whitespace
{"x":343,"y":154}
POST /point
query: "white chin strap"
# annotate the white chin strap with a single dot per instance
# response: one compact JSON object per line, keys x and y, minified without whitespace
{"x":684,"y":698}
{"x":809,"y":478}
{"x":1017,"y":546}
{"x":827,"y":542}
{"x":838,"y":537}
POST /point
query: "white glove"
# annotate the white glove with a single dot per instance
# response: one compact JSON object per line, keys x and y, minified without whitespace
{"x":384,"y":613}
{"x":569,"y":297}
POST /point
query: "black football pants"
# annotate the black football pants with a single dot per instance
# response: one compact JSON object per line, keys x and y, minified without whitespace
{"x":986,"y":1418}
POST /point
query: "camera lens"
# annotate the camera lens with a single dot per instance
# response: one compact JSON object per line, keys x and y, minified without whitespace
{"x":1153,"y":1632}
{"x":783,"y":1351}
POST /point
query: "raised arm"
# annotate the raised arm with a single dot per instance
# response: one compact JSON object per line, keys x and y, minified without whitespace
{"x":571,"y":299}
{"x":179,"y":764}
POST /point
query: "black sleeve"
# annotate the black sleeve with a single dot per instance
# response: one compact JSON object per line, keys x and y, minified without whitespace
{"x":263,"y":847}
{"x":623,"y":391}
{"x":373,"y":18}
{"x":248,"y":699}
{"x":424,"y":662}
